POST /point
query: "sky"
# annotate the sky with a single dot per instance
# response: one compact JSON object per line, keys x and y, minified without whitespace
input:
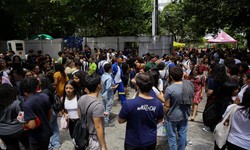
{"x":163,"y":3}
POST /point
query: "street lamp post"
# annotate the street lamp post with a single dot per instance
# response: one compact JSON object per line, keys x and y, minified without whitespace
{"x":155,"y":19}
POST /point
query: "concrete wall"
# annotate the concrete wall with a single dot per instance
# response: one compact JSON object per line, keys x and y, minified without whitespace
{"x":147,"y":44}
{"x":51,"y":47}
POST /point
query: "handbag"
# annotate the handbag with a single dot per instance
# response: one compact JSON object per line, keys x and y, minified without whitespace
{"x":64,"y":122}
{"x":222,"y":129}
{"x":161,"y":129}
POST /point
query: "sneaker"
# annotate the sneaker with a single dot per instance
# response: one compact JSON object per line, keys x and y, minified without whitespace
{"x":189,"y":142}
{"x":2,"y":145}
{"x":206,"y":129}
{"x":109,"y":125}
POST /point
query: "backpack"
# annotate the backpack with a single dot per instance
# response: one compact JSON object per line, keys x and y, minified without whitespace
{"x":210,"y":116}
{"x":57,"y":106}
{"x":80,"y":134}
{"x":100,"y":71}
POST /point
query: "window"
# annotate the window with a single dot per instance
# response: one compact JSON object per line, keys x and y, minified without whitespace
{"x":19,"y":46}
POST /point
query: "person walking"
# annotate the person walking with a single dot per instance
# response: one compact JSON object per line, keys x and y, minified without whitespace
{"x":70,"y":108}
{"x":198,"y":81}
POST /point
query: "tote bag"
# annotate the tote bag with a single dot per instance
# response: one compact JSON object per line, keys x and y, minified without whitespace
{"x":222,"y":129}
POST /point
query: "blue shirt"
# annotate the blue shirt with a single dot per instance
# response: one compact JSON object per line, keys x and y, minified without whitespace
{"x":141,"y":115}
{"x":107,"y":82}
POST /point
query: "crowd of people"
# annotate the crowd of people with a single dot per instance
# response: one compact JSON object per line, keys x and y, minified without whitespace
{"x":168,"y":89}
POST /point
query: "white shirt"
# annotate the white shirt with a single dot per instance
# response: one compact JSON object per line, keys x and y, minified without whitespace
{"x":243,"y":89}
{"x":240,"y":132}
{"x":102,"y":63}
{"x":71,"y":107}
{"x":160,"y":85}
{"x":162,"y":73}
{"x":117,"y":77}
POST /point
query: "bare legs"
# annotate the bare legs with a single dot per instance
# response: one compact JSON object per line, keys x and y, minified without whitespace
{"x":195,"y":108}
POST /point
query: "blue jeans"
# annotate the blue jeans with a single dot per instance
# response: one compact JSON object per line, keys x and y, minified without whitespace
{"x":55,"y":138}
{"x":181,"y":127}
{"x":107,"y":103}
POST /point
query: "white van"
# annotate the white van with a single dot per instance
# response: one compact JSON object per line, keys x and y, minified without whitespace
{"x":18,"y":47}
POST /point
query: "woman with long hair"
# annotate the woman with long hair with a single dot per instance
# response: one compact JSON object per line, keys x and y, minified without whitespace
{"x":215,"y":82}
{"x":157,"y":89}
{"x":238,"y":137}
{"x":70,"y":98}
{"x":246,"y":84}
{"x":230,"y":90}
{"x":214,"y":90}
{"x":198,"y":81}
{"x":48,"y":59}
{"x":79,"y":78}
{"x":60,"y":78}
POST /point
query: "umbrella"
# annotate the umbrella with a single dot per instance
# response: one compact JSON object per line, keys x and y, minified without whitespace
{"x":222,"y":37}
{"x":42,"y":37}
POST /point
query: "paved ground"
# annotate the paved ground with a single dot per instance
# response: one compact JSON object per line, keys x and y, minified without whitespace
{"x":115,"y":135}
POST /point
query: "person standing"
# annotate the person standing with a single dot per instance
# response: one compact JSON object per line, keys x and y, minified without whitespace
{"x":178,"y":99}
{"x":238,"y":138}
{"x":11,"y":130}
{"x":95,"y":114}
{"x":186,"y":63}
{"x":92,"y":66}
{"x":151,"y":64}
{"x":48,"y":89}
{"x":60,"y":79}
{"x":107,"y":93}
{"x":117,"y":72}
{"x":142,"y":115}
{"x":36,"y":107}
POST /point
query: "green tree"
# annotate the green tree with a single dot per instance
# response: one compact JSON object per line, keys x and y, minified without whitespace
{"x":174,"y":21}
{"x":34,"y":17}
{"x":112,"y":17}
{"x":209,"y":16}
{"x":67,"y":17}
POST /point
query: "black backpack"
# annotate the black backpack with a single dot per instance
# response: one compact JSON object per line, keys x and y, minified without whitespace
{"x":211,"y":116}
{"x":81,"y":132}
{"x":58,"y":104}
